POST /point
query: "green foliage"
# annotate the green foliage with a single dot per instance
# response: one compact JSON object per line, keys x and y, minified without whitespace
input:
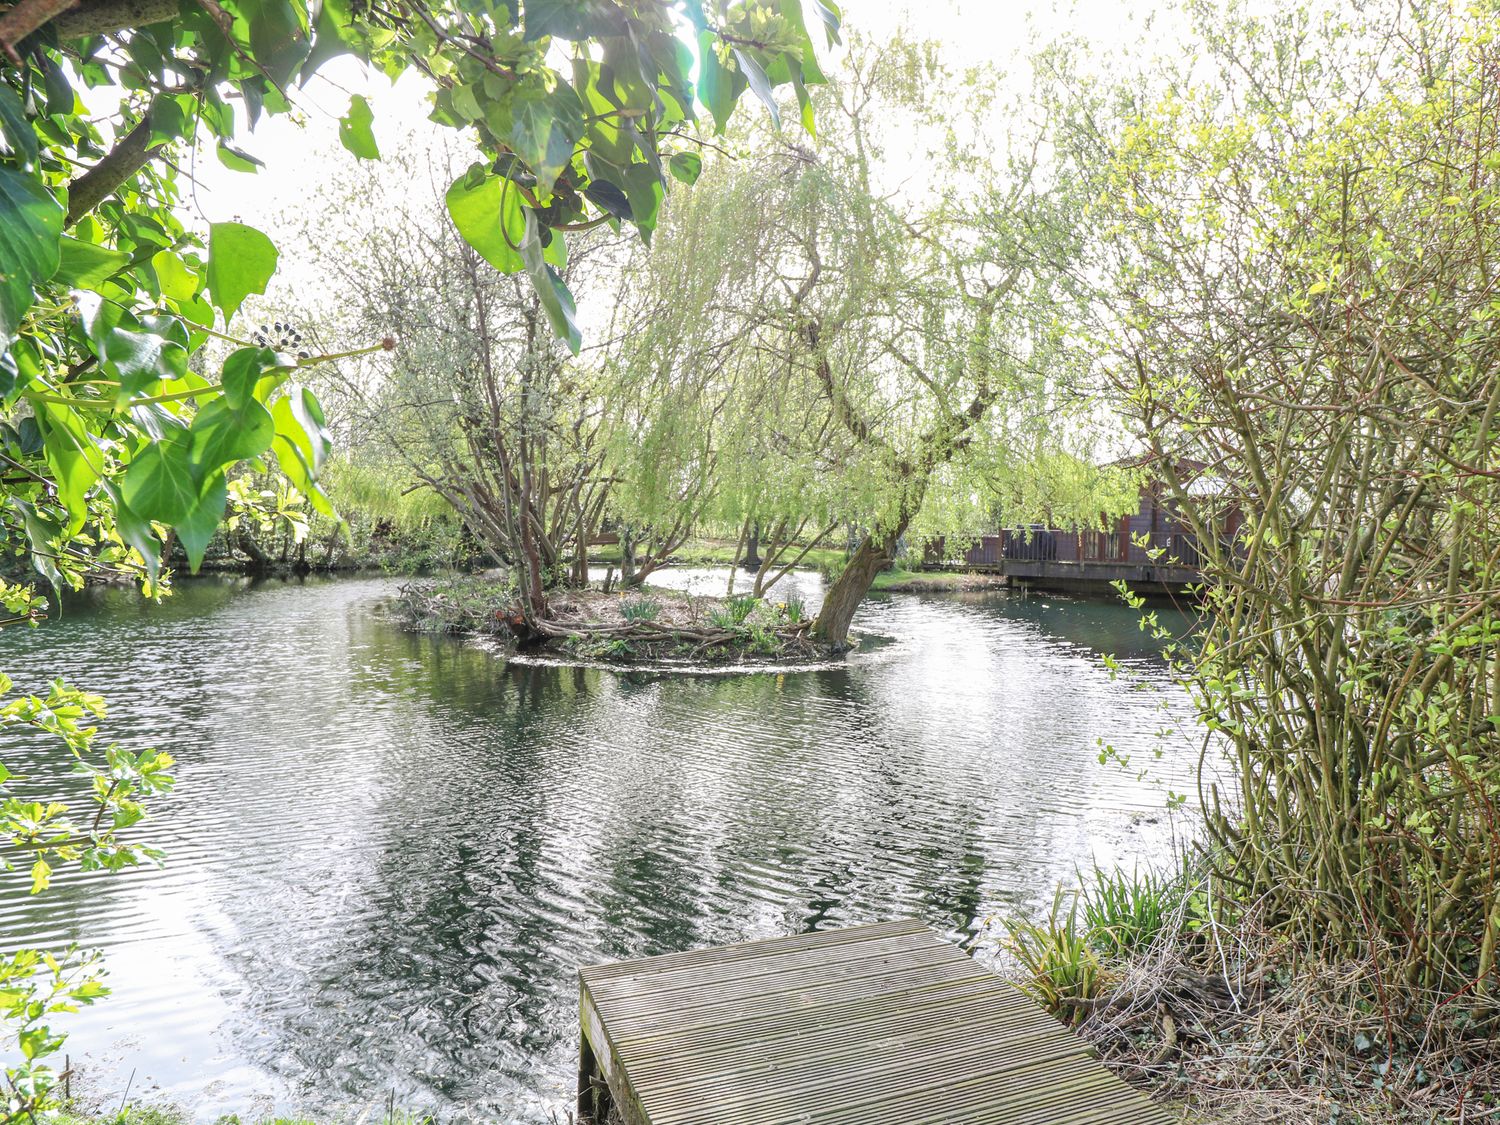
{"x":640,"y":609}
{"x":1296,"y":313}
{"x":1058,"y":957}
{"x":89,"y":827}
{"x":241,"y":261}
{"x":1124,"y":912}
{"x":733,"y":613}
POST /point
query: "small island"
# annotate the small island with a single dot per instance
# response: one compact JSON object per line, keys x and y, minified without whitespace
{"x":645,"y":624}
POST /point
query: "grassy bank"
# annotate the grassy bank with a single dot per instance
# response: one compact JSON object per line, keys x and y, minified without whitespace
{"x":1192,"y":996}
{"x":898,"y":581}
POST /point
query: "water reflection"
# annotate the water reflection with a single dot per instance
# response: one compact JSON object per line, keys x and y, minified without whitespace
{"x":388,"y":853}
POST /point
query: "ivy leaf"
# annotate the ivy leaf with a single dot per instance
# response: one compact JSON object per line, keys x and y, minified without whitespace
{"x":279,"y":37}
{"x":545,"y":128}
{"x":238,"y":160}
{"x":40,"y":533}
{"x":160,"y":483}
{"x":756,"y":76}
{"x":488,"y":217}
{"x":556,"y":300}
{"x":72,"y":456}
{"x":570,"y":19}
{"x":196,"y":530}
{"x":87,"y":265}
{"x":718,"y":88}
{"x":31,"y":224}
{"x":686,"y":166}
{"x":243,"y":372}
{"x":302,"y":443}
{"x":608,"y":198}
{"x":135,"y":530}
{"x":241,"y":261}
{"x":17,"y":137}
{"x":828,"y":12}
{"x":354,"y":130}
{"x":177,"y":281}
{"x":223,"y":433}
{"x":556,"y":252}
{"x":335,"y":32}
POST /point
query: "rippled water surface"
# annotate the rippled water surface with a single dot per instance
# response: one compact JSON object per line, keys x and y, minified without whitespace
{"x":388,"y":853}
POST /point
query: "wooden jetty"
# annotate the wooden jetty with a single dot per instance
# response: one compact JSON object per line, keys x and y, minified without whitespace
{"x":886,"y":1024}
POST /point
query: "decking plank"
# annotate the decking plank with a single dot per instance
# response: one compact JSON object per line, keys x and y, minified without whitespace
{"x":870,"y":1024}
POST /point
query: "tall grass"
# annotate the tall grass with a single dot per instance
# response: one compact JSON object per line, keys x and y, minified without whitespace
{"x":1066,"y":955}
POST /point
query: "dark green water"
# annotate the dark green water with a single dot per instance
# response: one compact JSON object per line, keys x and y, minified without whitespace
{"x":387,"y":853}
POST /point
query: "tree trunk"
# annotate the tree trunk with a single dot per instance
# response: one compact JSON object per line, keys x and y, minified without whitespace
{"x":627,"y":556}
{"x":752,"y":559}
{"x":246,"y":544}
{"x":850,"y":588}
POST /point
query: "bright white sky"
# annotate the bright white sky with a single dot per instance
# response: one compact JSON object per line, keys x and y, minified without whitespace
{"x":297,"y":153}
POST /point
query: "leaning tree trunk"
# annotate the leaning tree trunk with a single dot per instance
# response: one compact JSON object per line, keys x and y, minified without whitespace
{"x":850,"y":588}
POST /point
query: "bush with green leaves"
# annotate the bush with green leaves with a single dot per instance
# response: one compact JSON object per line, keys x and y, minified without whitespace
{"x":1300,"y":322}
{"x":87,"y":827}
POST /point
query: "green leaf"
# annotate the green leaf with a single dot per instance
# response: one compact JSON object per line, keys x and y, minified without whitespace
{"x":354,"y":130}
{"x":570,"y":19}
{"x":545,"y":128}
{"x":302,"y":443}
{"x":644,"y":189}
{"x":135,"y":530}
{"x":31,"y":224}
{"x":169,"y":118}
{"x":556,"y":300}
{"x":40,"y":533}
{"x":756,"y":76}
{"x":71,"y":454}
{"x":17,"y":138}
{"x":335,"y":32}
{"x":238,"y":160}
{"x":224,"y":433}
{"x":196,"y":530}
{"x":489,"y":219}
{"x":172,"y":274}
{"x":160,"y":483}
{"x":686,"y":166}
{"x":87,"y":265}
{"x":279,"y":39}
{"x":828,"y":12}
{"x":718,"y":88}
{"x":241,"y":261}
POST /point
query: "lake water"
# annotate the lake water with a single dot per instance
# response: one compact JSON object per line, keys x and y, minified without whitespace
{"x":387,"y":854}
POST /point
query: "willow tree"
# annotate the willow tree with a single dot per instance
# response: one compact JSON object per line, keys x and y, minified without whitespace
{"x":710,"y":425}
{"x":1297,"y":247}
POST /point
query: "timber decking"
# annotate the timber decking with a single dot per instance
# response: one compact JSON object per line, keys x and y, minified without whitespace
{"x":874,"y":1025}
